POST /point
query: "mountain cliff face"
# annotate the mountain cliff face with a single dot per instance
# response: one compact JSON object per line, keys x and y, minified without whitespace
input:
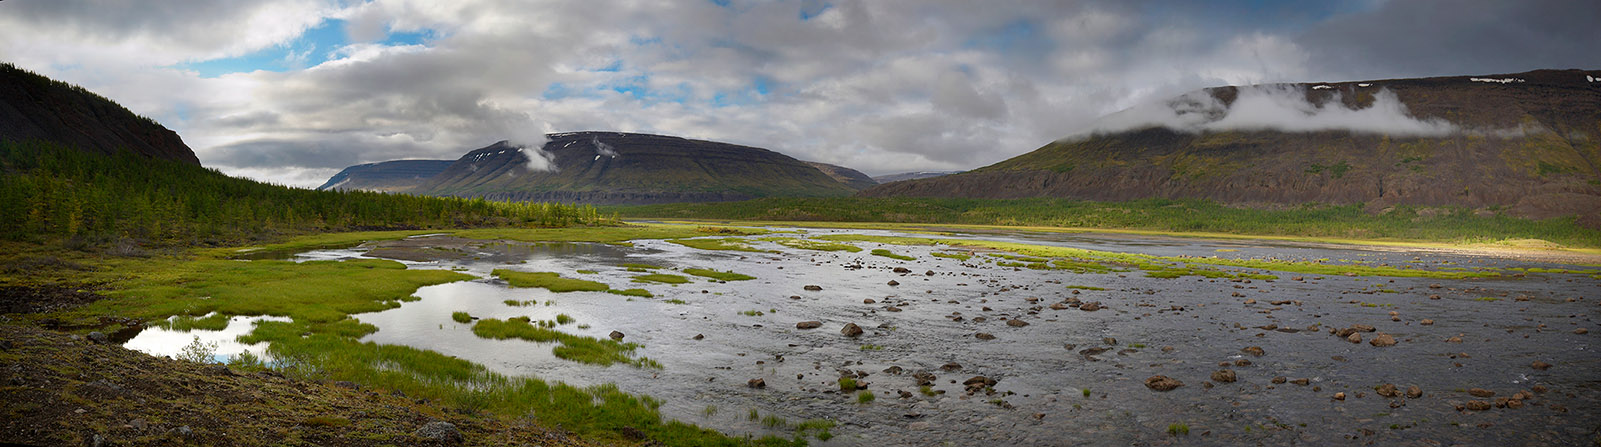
{"x":33,"y":107}
{"x":1527,"y":143}
{"x":850,"y":177}
{"x":388,"y":176}
{"x":627,"y":168}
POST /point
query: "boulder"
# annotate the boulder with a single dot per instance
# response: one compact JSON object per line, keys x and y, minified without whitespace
{"x":439,"y":432}
{"x":1015,"y":322}
{"x":1162,"y":383}
{"x":756,"y":383}
{"x":851,"y":330}
{"x":1223,"y":376}
{"x":1382,"y":340}
{"x":616,"y":335}
{"x":808,"y":325}
{"x":984,"y":336}
{"x":1254,"y":351}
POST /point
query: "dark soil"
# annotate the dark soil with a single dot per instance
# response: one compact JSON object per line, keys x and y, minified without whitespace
{"x":61,"y":389}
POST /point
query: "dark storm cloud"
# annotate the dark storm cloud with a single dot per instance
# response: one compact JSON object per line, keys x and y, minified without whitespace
{"x":1456,"y":37}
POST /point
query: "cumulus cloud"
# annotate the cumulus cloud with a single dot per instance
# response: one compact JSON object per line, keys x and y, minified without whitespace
{"x":878,"y":85}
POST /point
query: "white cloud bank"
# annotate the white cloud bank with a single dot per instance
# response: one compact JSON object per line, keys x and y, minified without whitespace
{"x":1280,"y":107}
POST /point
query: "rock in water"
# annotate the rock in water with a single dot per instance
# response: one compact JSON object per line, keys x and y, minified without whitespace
{"x":1162,"y":383}
{"x":439,"y":431}
{"x":984,"y":336}
{"x":851,"y":330}
{"x":1382,"y":340}
{"x":1254,"y":351}
{"x":756,"y":383}
{"x":616,"y":335}
{"x":808,"y":325}
{"x":1387,"y":390}
{"x":1015,"y":322}
{"x":811,"y":288}
{"x":1223,"y":376}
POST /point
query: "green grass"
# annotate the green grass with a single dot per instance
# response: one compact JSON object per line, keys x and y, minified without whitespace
{"x":871,"y":348}
{"x":590,"y":350}
{"x":1086,"y":287}
{"x":774,"y":422}
{"x":631,"y":266}
{"x":316,"y":291}
{"x":663,"y":278}
{"x":927,"y":390}
{"x":1457,"y":225}
{"x":642,"y":293}
{"x":956,"y":256}
{"x":1166,"y":266}
{"x":751,"y":313}
{"x":891,"y":255}
{"x":727,"y":244}
{"x":548,"y":280}
{"x":1178,"y":429}
{"x":864,"y":397}
{"x":185,"y":323}
{"x":1086,"y":392}
{"x":847,"y":384}
{"x":721,"y":276}
{"x":564,"y":319}
{"x":461,"y":317}
{"x":809,"y":244}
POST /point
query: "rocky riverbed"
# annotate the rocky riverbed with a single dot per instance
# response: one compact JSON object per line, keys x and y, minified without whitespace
{"x":987,"y":351}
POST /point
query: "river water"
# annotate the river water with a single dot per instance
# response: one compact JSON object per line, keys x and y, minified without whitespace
{"x":1185,"y":328}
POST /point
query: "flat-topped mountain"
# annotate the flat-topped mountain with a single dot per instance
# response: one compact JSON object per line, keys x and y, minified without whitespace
{"x":34,"y":107}
{"x":388,"y":176}
{"x":628,"y":168}
{"x":1528,"y":143}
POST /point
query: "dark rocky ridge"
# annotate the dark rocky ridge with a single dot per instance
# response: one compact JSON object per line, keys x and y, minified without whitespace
{"x":388,"y":176}
{"x":1552,"y":168}
{"x":850,"y":177}
{"x":33,"y":107}
{"x":638,"y":169}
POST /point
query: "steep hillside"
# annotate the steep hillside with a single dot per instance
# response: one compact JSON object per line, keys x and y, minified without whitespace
{"x":33,"y":107}
{"x":1527,"y":143}
{"x":388,"y":176}
{"x":850,"y":177}
{"x":626,"y":168}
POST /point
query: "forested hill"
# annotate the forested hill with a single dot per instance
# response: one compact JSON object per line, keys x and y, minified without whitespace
{"x":34,"y":107}
{"x":1527,"y":144}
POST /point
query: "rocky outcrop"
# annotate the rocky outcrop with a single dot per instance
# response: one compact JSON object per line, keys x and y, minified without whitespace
{"x":33,"y":107}
{"x":1530,"y":147}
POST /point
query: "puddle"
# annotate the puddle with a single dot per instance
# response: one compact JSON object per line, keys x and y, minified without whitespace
{"x":161,"y":342}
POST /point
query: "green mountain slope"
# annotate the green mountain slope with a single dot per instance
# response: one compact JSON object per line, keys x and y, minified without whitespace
{"x":33,"y":107}
{"x":1530,"y":146}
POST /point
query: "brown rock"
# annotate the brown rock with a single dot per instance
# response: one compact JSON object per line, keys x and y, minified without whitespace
{"x":1426,"y":322}
{"x":1302,"y":381}
{"x":616,"y":335}
{"x":984,"y":336}
{"x":1058,"y":306}
{"x":1339,"y":396}
{"x":869,"y":301}
{"x":1581,"y":331}
{"x":1280,"y":380}
{"x":699,"y":337}
{"x":1363,"y":328}
{"x":1540,"y":365}
{"x":851,"y":330}
{"x":808,"y":325}
{"x":1090,"y":306}
{"x":1254,"y":351}
{"x":951,"y":366}
{"x":1223,"y":376}
{"x":1382,"y":340}
{"x":1387,"y":390}
{"x":813,"y":288}
{"x":1354,"y":338}
{"x":1015,"y":322}
{"x":893,"y":283}
{"x":1478,"y":405}
{"x":756,"y":383}
{"x":1480,"y":392}
{"x":1413,"y":392}
{"x":1162,"y":383}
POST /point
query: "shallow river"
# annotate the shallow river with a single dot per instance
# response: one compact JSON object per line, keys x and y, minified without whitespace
{"x":1051,"y":386}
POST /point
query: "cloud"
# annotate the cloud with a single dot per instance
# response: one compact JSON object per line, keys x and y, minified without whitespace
{"x":877,"y":85}
{"x":1280,"y":107}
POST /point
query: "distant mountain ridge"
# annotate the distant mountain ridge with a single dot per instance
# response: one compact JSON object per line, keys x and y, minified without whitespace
{"x":34,"y":107}
{"x":628,"y":168}
{"x":388,"y":176}
{"x":1528,"y":143}
{"x":850,"y":177}
{"x":916,"y":175}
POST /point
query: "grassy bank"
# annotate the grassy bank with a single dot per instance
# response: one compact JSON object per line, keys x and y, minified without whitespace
{"x":1346,"y":222}
{"x":321,"y":342}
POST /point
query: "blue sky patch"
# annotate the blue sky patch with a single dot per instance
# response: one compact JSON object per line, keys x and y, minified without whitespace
{"x":309,"y":49}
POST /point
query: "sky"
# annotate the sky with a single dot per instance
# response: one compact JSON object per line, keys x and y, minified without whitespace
{"x":292,"y":91}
